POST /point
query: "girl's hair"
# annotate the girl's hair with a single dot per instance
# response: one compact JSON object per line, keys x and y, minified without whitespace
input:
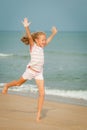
{"x":34,"y":36}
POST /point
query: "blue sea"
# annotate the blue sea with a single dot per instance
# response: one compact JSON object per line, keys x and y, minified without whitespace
{"x":65,"y":69}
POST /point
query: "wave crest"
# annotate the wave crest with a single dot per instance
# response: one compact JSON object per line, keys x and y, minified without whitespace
{"x":77,"y":94}
{"x":5,"y":55}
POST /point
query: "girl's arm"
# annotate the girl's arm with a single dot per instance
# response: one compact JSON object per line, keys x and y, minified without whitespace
{"x":54,"y":32}
{"x":26,"y":24}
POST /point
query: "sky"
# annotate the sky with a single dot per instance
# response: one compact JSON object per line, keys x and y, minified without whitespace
{"x":66,"y":15}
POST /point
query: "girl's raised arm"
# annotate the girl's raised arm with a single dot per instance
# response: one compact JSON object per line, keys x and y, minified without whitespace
{"x":54,"y":31}
{"x":26,"y":25}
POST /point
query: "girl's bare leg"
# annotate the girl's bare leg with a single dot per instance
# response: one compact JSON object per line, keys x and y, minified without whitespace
{"x":40,"y":84}
{"x":13,"y":83}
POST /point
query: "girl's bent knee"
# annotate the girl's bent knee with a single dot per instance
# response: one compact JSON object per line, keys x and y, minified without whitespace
{"x":17,"y":83}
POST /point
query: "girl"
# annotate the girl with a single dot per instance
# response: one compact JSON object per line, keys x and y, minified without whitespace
{"x":37,"y":41}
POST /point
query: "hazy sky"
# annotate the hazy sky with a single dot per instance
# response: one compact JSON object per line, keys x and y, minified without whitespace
{"x":66,"y":15}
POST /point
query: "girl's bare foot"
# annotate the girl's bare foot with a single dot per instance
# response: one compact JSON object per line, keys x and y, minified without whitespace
{"x":5,"y":89}
{"x":38,"y":117}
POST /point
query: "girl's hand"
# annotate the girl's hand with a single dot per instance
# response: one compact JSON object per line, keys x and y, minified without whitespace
{"x":54,"y":30}
{"x":26,"y":23}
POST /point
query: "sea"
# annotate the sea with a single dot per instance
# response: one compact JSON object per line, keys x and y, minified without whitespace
{"x":65,"y":68}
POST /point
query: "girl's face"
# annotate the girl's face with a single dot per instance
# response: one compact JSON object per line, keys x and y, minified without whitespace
{"x":41,"y":41}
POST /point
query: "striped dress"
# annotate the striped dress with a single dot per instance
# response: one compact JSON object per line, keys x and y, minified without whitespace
{"x":37,"y":58}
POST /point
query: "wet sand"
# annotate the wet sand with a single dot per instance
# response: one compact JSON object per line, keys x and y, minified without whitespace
{"x":19,"y":113}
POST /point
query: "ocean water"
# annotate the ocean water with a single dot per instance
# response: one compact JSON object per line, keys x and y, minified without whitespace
{"x":65,"y":69}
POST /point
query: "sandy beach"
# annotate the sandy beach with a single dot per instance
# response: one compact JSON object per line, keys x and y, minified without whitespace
{"x":19,"y":113}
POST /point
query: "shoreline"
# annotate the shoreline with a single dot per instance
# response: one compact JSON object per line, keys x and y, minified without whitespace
{"x":19,"y":113}
{"x":52,"y":98}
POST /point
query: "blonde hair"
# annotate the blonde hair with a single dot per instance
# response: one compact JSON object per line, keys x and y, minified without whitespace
{"x":34,"y":36}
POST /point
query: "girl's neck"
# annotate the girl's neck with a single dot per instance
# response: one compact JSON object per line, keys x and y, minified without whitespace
{"x":38,"y":45}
